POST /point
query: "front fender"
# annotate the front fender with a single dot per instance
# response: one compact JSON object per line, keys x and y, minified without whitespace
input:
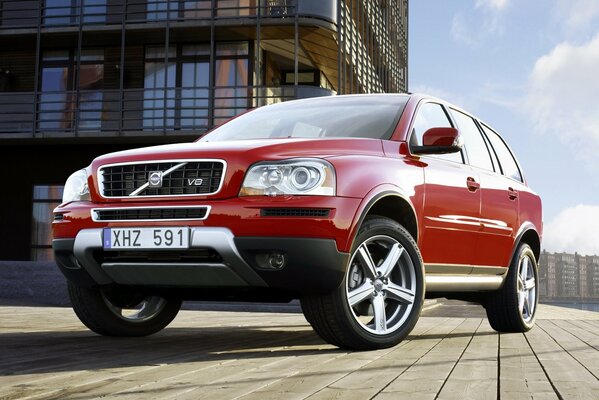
{"x":371,"y":198}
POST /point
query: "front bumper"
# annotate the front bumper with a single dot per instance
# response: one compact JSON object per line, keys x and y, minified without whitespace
{"x":312,"y":265}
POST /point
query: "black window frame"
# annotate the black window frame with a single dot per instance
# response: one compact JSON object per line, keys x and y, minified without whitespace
{"x":70,"y":62}
{"x":522,"y":179}
{"x":494,"y":156}
{"x":453,"y":124}
{"x":464,"y":148}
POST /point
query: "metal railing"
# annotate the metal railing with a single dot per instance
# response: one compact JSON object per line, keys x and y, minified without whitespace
{"x":54,"y":13}
{"x":157,"y":111}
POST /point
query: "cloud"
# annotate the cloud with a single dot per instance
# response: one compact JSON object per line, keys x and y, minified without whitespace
{"x":577,"y":15}
{"x":460,"y":30}
{"x":573,"y":230}
{"x":471,"y":28}
{"x":563,"y":98}
{"x":496,"y":5}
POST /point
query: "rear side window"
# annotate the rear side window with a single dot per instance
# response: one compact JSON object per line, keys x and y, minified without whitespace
{"x":432,"y":115}
{"x":476,"y":148}
{"x":509,"y":166}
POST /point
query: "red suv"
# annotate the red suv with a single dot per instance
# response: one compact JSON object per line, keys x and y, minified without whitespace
{"x":360,"y":206}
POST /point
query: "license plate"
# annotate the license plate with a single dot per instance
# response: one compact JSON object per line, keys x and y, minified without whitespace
{"x":146,"y":238}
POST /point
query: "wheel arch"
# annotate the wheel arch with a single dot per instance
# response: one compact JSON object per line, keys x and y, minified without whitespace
{"x":528,"y":234}
{"x":390,"y":203}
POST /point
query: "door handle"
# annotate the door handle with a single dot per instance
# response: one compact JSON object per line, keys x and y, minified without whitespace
{"x":473,"y":185}
{"x":512,"y":194}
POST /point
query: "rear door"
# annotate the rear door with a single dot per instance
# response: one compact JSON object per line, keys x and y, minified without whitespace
{"x":451,"y":204}
{"x":500,"y":205}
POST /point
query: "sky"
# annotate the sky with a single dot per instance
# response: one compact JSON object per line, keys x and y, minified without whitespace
{"x":530,"y":69}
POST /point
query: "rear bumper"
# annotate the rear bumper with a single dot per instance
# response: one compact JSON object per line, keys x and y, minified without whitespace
{"x":311,"y":266}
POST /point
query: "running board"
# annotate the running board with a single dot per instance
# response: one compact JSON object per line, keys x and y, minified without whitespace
{"x":463,"y":283}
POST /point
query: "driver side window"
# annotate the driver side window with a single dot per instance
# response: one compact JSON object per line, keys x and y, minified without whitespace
{"x":432,"y":115}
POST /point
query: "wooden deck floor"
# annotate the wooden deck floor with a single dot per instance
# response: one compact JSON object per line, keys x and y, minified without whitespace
{"x":46,"y":353}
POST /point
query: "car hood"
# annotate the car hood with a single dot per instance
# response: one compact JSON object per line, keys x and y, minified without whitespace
{"x":239,"y":155}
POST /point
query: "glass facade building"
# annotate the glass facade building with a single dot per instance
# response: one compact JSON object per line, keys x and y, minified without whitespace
{"x":82,"y":77}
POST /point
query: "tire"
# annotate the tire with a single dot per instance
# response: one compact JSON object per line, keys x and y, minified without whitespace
{"x":386,"y":299}
{"x":513,"y":307}
{"x":105,"y":310}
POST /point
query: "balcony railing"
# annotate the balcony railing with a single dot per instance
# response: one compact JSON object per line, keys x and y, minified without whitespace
{"x":54,"y":13}
{"x":170,"y":111}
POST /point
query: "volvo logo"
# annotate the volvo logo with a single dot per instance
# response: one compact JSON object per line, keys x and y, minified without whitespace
{"x":155,"y":179}
{"x":195,"y":182}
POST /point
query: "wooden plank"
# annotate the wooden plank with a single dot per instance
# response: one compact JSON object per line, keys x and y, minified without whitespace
{"x":547,"y":311}
{"x":589,"y":325}
{"x":98,"y":353}
{"x":47,"y":353}
{"x":427,"y":376}
{"x":317,"y":377}
{"x":569,"y":378}
{"x":375,"y":376}
{"x":521,"y":375}
{"x":590,"y":338}
{"x":137,"y":362}
{"x":475,"y":375}
{"x":586,"y":355}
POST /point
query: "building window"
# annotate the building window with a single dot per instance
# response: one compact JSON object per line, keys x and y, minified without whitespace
{"x":66,"y":12}
{"x":45,"y":199}
{"x":235,"y":8}
{"x":58,"y":97}
{"x":195,"y":86}
{"x":55,"y":111}
{"x":197,"y":9}
{"x":94,"y":11}
{"x":177,"y":93}
{"x":59,"y":12}
{"x":91,"y":83}
{"x":159,"y":84}
{"x":231,"y":76}
{"x":162,"y":9}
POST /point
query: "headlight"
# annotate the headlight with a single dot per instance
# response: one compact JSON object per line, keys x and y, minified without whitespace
{"x":75,"y":188}
{"x":303,"y":176}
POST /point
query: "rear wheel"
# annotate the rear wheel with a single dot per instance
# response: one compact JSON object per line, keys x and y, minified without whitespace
{"x":114,"y":311}
{"x":513,"y":307}
{"x":381,"y":296}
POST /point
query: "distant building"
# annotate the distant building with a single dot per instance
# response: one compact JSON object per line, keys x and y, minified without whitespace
{"x":593,"y":275}
{"x":568,"y":276}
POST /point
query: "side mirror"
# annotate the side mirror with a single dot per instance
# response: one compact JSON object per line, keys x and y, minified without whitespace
{"x":439,"y":141}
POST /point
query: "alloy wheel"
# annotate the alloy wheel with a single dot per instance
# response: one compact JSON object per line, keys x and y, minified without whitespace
{"x":527,"y":296}
{"x":381,"y":285}
{"x":145,"y":310}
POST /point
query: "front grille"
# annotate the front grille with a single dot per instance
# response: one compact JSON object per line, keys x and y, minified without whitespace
{"x":191,"y":256}
{"x":186,"y":178}
{"x":146,"y":213}
{"x":295,"y":212}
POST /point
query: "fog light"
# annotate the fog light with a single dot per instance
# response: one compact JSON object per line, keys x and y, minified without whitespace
{"x":273,"y":260}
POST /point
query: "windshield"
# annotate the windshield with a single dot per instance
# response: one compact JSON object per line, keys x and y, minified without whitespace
{"x":339,"y":116}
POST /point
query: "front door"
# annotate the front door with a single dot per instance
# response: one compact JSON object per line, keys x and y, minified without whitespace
{"x":451,"y":202}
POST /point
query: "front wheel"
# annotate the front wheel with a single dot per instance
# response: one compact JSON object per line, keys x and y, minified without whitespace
{"x":381,"y":296}
{"x":513,"y":307}
{"x":116,"y":311}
